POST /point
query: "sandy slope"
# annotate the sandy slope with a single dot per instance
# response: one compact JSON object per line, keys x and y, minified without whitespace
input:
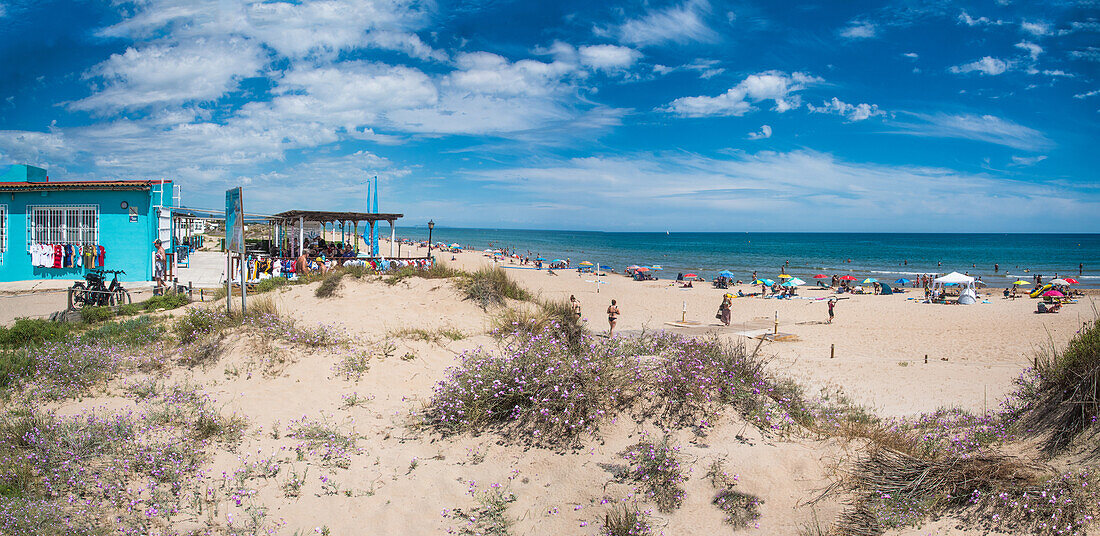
{"x":403,"y":480}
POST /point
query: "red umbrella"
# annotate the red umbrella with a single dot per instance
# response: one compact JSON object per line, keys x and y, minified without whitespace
{"x":641,"y":269}
{"x":1053,"y":293}
{"x":847,"y":278}
{"x":690,"y":275}
{"x":821,"y":276}
{"x":1071,"y":280}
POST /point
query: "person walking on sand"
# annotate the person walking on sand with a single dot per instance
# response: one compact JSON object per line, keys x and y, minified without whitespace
{"x":724,"y":310}
{"x":832,"y":304}
{"x":575,"y":305}
{"x":612,"y":318}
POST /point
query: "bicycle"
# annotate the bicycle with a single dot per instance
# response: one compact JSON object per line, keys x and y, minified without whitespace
{"x":96,"y":293}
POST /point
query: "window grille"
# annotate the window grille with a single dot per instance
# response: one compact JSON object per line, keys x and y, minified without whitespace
{"x":76,"y":225}
{"x":3,"y":230}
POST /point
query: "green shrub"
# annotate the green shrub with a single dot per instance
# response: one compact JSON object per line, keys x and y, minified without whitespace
{"x":329,"y":285}
{"x":438,"y":270}
{"x":195,"y":323}
{"x":27,"y":331}
{"x":15,"y":364}
{"x":270,"y":284}
{"x":166,"y":301}
{"x":490,"y":286}
{"x":129,"y":309}
{"x":133,"y":332}
{"x":94,"y":315}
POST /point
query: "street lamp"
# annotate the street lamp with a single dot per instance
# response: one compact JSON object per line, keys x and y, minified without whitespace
{"x":431,"y":225}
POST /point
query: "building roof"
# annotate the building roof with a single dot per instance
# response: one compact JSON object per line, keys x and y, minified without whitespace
{"x":79,"y":185}
{"x":321,"y":215}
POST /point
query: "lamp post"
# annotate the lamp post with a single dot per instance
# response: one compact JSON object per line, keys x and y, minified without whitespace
{"x":431,"y":225}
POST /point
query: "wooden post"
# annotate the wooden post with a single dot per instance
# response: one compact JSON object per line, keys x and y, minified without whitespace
{"x":925,"y":359}
{"x":777,"y":323}
{"x":832,"y":351}
{"x":683,"y":316}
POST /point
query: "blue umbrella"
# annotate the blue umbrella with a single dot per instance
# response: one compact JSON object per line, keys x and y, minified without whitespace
{"x":902,"y":281}
{"x":557,"y":260}
{"x":539,"y":259}
{"x":604,"y":267}
{"x":726,"y":273}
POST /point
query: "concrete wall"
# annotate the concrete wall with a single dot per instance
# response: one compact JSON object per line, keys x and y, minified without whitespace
{"x":128,"y":245}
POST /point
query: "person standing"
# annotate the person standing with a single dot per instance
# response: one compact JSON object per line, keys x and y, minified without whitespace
{"x":724,"y":310}
{"x":832,"y":304}
{"x":612,"y":318}
{"x":575,"y":305}
{"x":160,"y":261}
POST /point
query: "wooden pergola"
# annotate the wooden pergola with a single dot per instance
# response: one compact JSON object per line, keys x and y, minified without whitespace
{"x":291,"y":218}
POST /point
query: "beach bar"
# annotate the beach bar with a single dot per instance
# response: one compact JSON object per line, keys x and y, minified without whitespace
{"x":290,"y":229}
{"x":62,"y":229}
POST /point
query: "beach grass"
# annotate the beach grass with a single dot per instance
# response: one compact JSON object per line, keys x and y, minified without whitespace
{"x":491,"y":287}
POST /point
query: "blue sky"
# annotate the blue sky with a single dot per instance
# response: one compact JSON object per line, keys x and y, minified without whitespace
{"x":687,"y":115}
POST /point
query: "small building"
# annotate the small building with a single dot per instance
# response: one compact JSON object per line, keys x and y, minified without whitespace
{"x":82,"y":225}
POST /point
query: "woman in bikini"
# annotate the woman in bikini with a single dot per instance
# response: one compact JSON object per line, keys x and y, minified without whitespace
{"x":612,"y":317}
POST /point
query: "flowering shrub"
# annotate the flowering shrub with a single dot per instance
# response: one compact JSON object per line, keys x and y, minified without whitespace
{"x":537,"y":383}
{"x":555,"y":389}
{"x":626,"y":521}
{"x":655,"y":468}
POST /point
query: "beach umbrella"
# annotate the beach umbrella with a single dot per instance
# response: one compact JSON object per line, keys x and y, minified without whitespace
{"x":642,"y":269}
{"x":870,"y":280}
{"x":847,"y":278}
{"x":821,"y":276}
{"x":604,"y":267}
{"x":656,"y":267}
{"x":691,"y":275}
{"x":557,"y":260}
{"x":1053,"y":293}
{"x":540,"y":259}
{"x":726,"y":273}
{"x":784,"y":276}
{"x":1021,"y":282}
{"x":796,"y":281}
{"x":787,"y":284}
{"x":768,"y":282}
{"x":1071,"y":281}
{"x":1059,"y":282}
{"x":585,"y":263}
{"x":902,"y":281}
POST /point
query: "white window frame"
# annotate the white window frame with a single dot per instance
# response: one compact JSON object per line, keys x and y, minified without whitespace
{"x":65,"y":224}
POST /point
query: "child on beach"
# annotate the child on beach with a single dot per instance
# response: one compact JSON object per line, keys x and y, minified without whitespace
{"x":612,"y":317}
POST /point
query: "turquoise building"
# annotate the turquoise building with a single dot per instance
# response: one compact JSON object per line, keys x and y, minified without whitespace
{"x":119,"y":219}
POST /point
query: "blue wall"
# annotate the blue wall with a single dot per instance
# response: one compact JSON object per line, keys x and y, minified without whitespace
{"x":129,"y":246}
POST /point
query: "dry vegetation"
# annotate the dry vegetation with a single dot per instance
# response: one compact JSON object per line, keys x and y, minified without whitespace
{"x":547,"y":384}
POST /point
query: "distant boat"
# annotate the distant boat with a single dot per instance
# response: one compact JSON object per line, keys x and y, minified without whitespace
{"x":666,"y":232}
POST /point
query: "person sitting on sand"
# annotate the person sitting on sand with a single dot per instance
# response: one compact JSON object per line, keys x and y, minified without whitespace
{"x":612,"y":318}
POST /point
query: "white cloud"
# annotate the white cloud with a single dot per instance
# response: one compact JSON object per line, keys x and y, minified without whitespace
{"x":770,"y":190}
{"x":965,"y":18}
{"x":488,"y":73}
{"x":986,"y":66}
{"x":985,"y":128}
{"x":1037,"y":29}
{"x":859,"y":30}
{"x":911,"y":55}
{"x":705,"y":67}
{"x":764,"y":132}
{"x":35,"y":148}
{"x":680,"y":24}
{"x":775,"y":86}
{"x":172,"y":74}
{"x":3,"y":11}
{"x":1027,"y":160}
{"x":1032,"y":49}
{"x":1088,"y":54}
{"x":1086,"y":95}
{"x":854,"y":112}
{"x":608,"y":57}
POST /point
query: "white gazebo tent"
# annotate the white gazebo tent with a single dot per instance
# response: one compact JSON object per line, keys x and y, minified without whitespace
{"x":967,"y":294}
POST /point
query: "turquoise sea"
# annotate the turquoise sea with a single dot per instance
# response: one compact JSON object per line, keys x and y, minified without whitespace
{"x":886,"y":256}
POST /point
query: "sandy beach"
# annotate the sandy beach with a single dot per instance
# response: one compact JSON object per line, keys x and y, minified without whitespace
{"x":396,"y":477}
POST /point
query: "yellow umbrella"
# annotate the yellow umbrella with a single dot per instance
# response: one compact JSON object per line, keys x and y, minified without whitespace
{"x":784,"y":276}
{"x":1021,"y":282}
{"x":586,"y":263}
